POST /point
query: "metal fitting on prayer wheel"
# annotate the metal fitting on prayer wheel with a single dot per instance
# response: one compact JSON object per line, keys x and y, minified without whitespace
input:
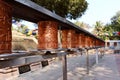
{"x":47,"y":35}
{"x":5,"y":27}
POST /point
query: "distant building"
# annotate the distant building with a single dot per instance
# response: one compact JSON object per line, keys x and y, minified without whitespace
{"x":113,"y":44}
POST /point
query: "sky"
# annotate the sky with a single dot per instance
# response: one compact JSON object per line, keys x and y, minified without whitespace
{"x":100,"y":10}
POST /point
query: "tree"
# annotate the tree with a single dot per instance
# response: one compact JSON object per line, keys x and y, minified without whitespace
{"x":82,"y":25}
{"x":115,"y":22}
{"x":99,"y":30}
{"x":65,"y":8}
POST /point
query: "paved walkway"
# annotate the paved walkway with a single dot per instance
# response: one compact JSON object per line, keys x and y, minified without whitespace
{"x":107,"y":69}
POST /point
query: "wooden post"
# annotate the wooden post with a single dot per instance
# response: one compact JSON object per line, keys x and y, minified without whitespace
{"x":5,"y":27}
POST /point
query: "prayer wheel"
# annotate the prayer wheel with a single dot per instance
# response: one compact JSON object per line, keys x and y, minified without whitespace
{"x":64,"y":38}
{"x":71,"y":39}
{"x":94,"y":42}
{"x":68,"y":38}
{"x":97,"y":43}
{"x":87,"y":43}
{"x":79,"y":42}
{"x":5,"y":27}
{"x":47,"y":35}
{"x":90,"y":44}
{"x":103,"y":43}
{"x":83,"y":40}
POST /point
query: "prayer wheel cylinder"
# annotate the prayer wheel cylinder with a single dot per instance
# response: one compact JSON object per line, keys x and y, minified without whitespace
{"x":94,"y":43}
{"x":86,"y":41}
{"x":5,"y":27}
{"x":68,"y":38}
{"x":64,"y":38}
{"x":83,"y":40}
{"x":77,"y":40}
{"x":47,"y":35}
{"x":71,"y":39}
{"x":90,"y":42}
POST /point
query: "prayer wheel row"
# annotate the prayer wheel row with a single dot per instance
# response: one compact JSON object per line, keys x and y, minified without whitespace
{"x":48,"y":37}
{"x":47,"y":34}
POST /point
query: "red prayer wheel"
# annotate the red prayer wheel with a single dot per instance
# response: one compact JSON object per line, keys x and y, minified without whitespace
{"x":47,"y":35}
{"x":68,"y":38}
{"x":82,"y":40}
{"x":5,"y":27}
{"x":71,"y":39}
{"x":79,"y":40}
{"x":87,"y":43}
{"x":64,"y":38}
{"x":90,"y":41}
{"x":94,"y":43}
{"x":97,"y":44}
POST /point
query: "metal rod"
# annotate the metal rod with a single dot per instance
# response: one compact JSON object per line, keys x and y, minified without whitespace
{"x":87,"y":61}
{"x":64,"y":61}
{"x":96,"y":56}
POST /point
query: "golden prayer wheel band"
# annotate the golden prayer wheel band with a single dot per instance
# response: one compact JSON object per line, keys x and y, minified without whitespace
{"x":47,"y":35}
{"x":5,"y":27}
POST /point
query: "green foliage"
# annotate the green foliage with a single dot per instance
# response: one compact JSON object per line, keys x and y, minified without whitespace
{"x":103,"y":31}
{"x":106,"y":31}
{"x":99,"y":29}
{"x":114,"y":26}
{"x":115,"y":22}
{"x":82,"y":25}
{"x":22,"y":28}
{"x":65,"y":8}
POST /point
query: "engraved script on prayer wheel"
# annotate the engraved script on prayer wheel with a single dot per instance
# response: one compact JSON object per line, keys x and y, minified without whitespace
{"x":5,"y":27}
{"x":47,"y":35}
